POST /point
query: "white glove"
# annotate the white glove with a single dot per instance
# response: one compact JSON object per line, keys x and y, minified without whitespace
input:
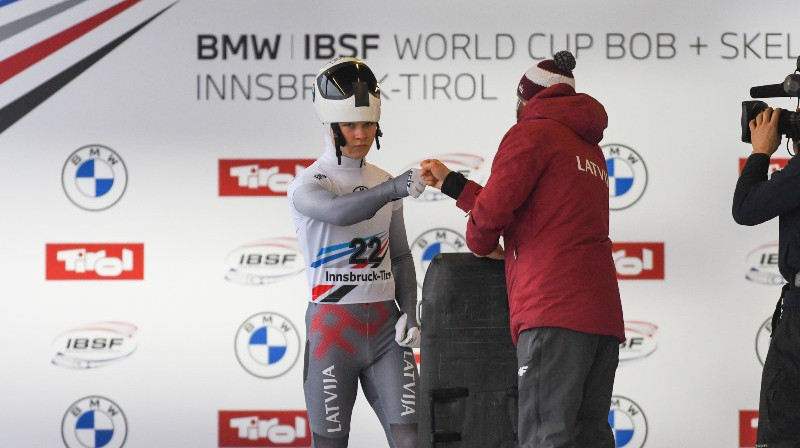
{"x":405,"y":338}
{"x":415,"y":184}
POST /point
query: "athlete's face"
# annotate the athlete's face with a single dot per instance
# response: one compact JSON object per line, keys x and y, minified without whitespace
{"x":359,"y":136}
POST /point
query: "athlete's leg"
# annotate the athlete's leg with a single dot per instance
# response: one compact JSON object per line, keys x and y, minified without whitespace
{"x":333,"y":360}
{"x":319,"y":441}
{"x":390,"y":385}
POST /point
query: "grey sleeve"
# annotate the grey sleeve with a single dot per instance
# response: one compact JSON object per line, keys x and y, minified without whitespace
{"x":314,"y":201}
{"x":405,"y":277}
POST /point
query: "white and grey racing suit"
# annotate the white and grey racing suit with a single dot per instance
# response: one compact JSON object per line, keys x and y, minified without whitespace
{"x":350,"y":228}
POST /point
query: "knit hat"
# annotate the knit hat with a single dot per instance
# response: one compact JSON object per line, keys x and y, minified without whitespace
{"x":547,"y":73}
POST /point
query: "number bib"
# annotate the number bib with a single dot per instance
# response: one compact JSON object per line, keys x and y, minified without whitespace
{"x":347,"y":264}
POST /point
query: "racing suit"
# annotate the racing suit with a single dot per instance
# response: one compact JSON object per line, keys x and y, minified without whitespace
{"x":359,"y":268}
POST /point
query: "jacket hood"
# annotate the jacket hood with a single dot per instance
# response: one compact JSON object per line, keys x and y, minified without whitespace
{"x":581,"y":113}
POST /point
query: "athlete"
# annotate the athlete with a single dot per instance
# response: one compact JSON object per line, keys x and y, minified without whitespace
{"x":350,"y":226}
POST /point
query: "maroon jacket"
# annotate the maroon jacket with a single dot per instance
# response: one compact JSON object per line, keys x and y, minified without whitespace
{"x":548,"y":197}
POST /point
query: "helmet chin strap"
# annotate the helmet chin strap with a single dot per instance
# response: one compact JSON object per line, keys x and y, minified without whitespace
{"x":378,"y":134}
{"x":338,"y":141}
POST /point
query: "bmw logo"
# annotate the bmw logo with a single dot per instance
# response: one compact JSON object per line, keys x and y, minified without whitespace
{"x":628,"y":423}
{"x":94,"y":177}
{"x":267,"y":345}
{"x":94,"y":422}
{"x":627,"y":176}
{"x":431,"y":243}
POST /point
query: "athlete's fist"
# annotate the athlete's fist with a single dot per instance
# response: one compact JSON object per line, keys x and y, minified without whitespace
{"x":415,"y":184}
{"x":406,"y":337}
{"x":409,"y":183}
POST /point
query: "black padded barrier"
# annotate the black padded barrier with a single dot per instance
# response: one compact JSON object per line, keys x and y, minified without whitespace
{"x":468,"y":366}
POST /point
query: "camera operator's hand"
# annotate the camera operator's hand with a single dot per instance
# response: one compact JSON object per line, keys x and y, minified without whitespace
{"x":764,"y":131}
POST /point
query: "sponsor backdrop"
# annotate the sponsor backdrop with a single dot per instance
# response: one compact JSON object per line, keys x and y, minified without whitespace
{"x":152,"y":290}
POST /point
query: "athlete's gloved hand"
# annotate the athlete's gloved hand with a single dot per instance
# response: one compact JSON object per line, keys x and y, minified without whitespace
{"x":415,"y":184}
{"x":403,"y":337}
{"x":409,"y":183}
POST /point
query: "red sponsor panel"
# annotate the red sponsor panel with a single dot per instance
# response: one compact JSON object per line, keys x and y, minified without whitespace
{"x":775,"y":164}
{"x":258,"y":177}
{"x":95,"y":261}
{"x":639,"y":261}
{"x":242,"y":429}
{"x":748,"y":427}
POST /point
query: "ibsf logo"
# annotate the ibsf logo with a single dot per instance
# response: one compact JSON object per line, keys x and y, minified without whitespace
{"x":111,"y":261}
{"x":627,"y":176}
{"x":762,"y":263}
{"x":627,"y":422}
{"x":94,"y":177}
{"x":431,"y":243}
{"x":470,"y":165}
{"x":94,"y":345}
{"x":267,"y":345}
{"x":748,"y":428}
{"x":775,"y":164}
{"x":94,"y":422}
{"x":763,"y":338}
{"x":265,"y":262}
{"x":258,"y":177}
{"x":239,"y":429}
{"x":639,"y":342}
{"x":639,"y":261}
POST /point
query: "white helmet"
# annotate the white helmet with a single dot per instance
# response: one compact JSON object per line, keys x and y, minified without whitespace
{"x":346,"y":91}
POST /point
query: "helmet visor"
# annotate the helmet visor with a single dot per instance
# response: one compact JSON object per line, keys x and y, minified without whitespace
{"x":342,"y":81}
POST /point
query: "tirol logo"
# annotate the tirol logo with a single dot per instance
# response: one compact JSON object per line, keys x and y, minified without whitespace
{"x":94,"y":345}
{"x":762,"y":265}
{"x":258,"y":177}
{"x":267,"y":345}
{"x":639,"y":261}
{"x":627,"y":175}
{"x":470,"y":165}
{"x":94,"y":177}
{"x":639,"y":342}
{"x":627,"y":422}
{"x":265,"y":262}
{"x":94,"y":422}
{"x":775,"y":164}
{"x":748,"y":428}
{"x":763,"y":338}
{"x":111,"y":261}
{"x":431,"y":243}
{"x":240,"y":429}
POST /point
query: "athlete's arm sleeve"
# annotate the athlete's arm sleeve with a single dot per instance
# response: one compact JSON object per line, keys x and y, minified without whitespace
{"x":758,"y":199}
{"x":314,"y":201}
{"x":405,"y":277}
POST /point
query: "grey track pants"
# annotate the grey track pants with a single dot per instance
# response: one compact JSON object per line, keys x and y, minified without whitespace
{"x":565,"y":385}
